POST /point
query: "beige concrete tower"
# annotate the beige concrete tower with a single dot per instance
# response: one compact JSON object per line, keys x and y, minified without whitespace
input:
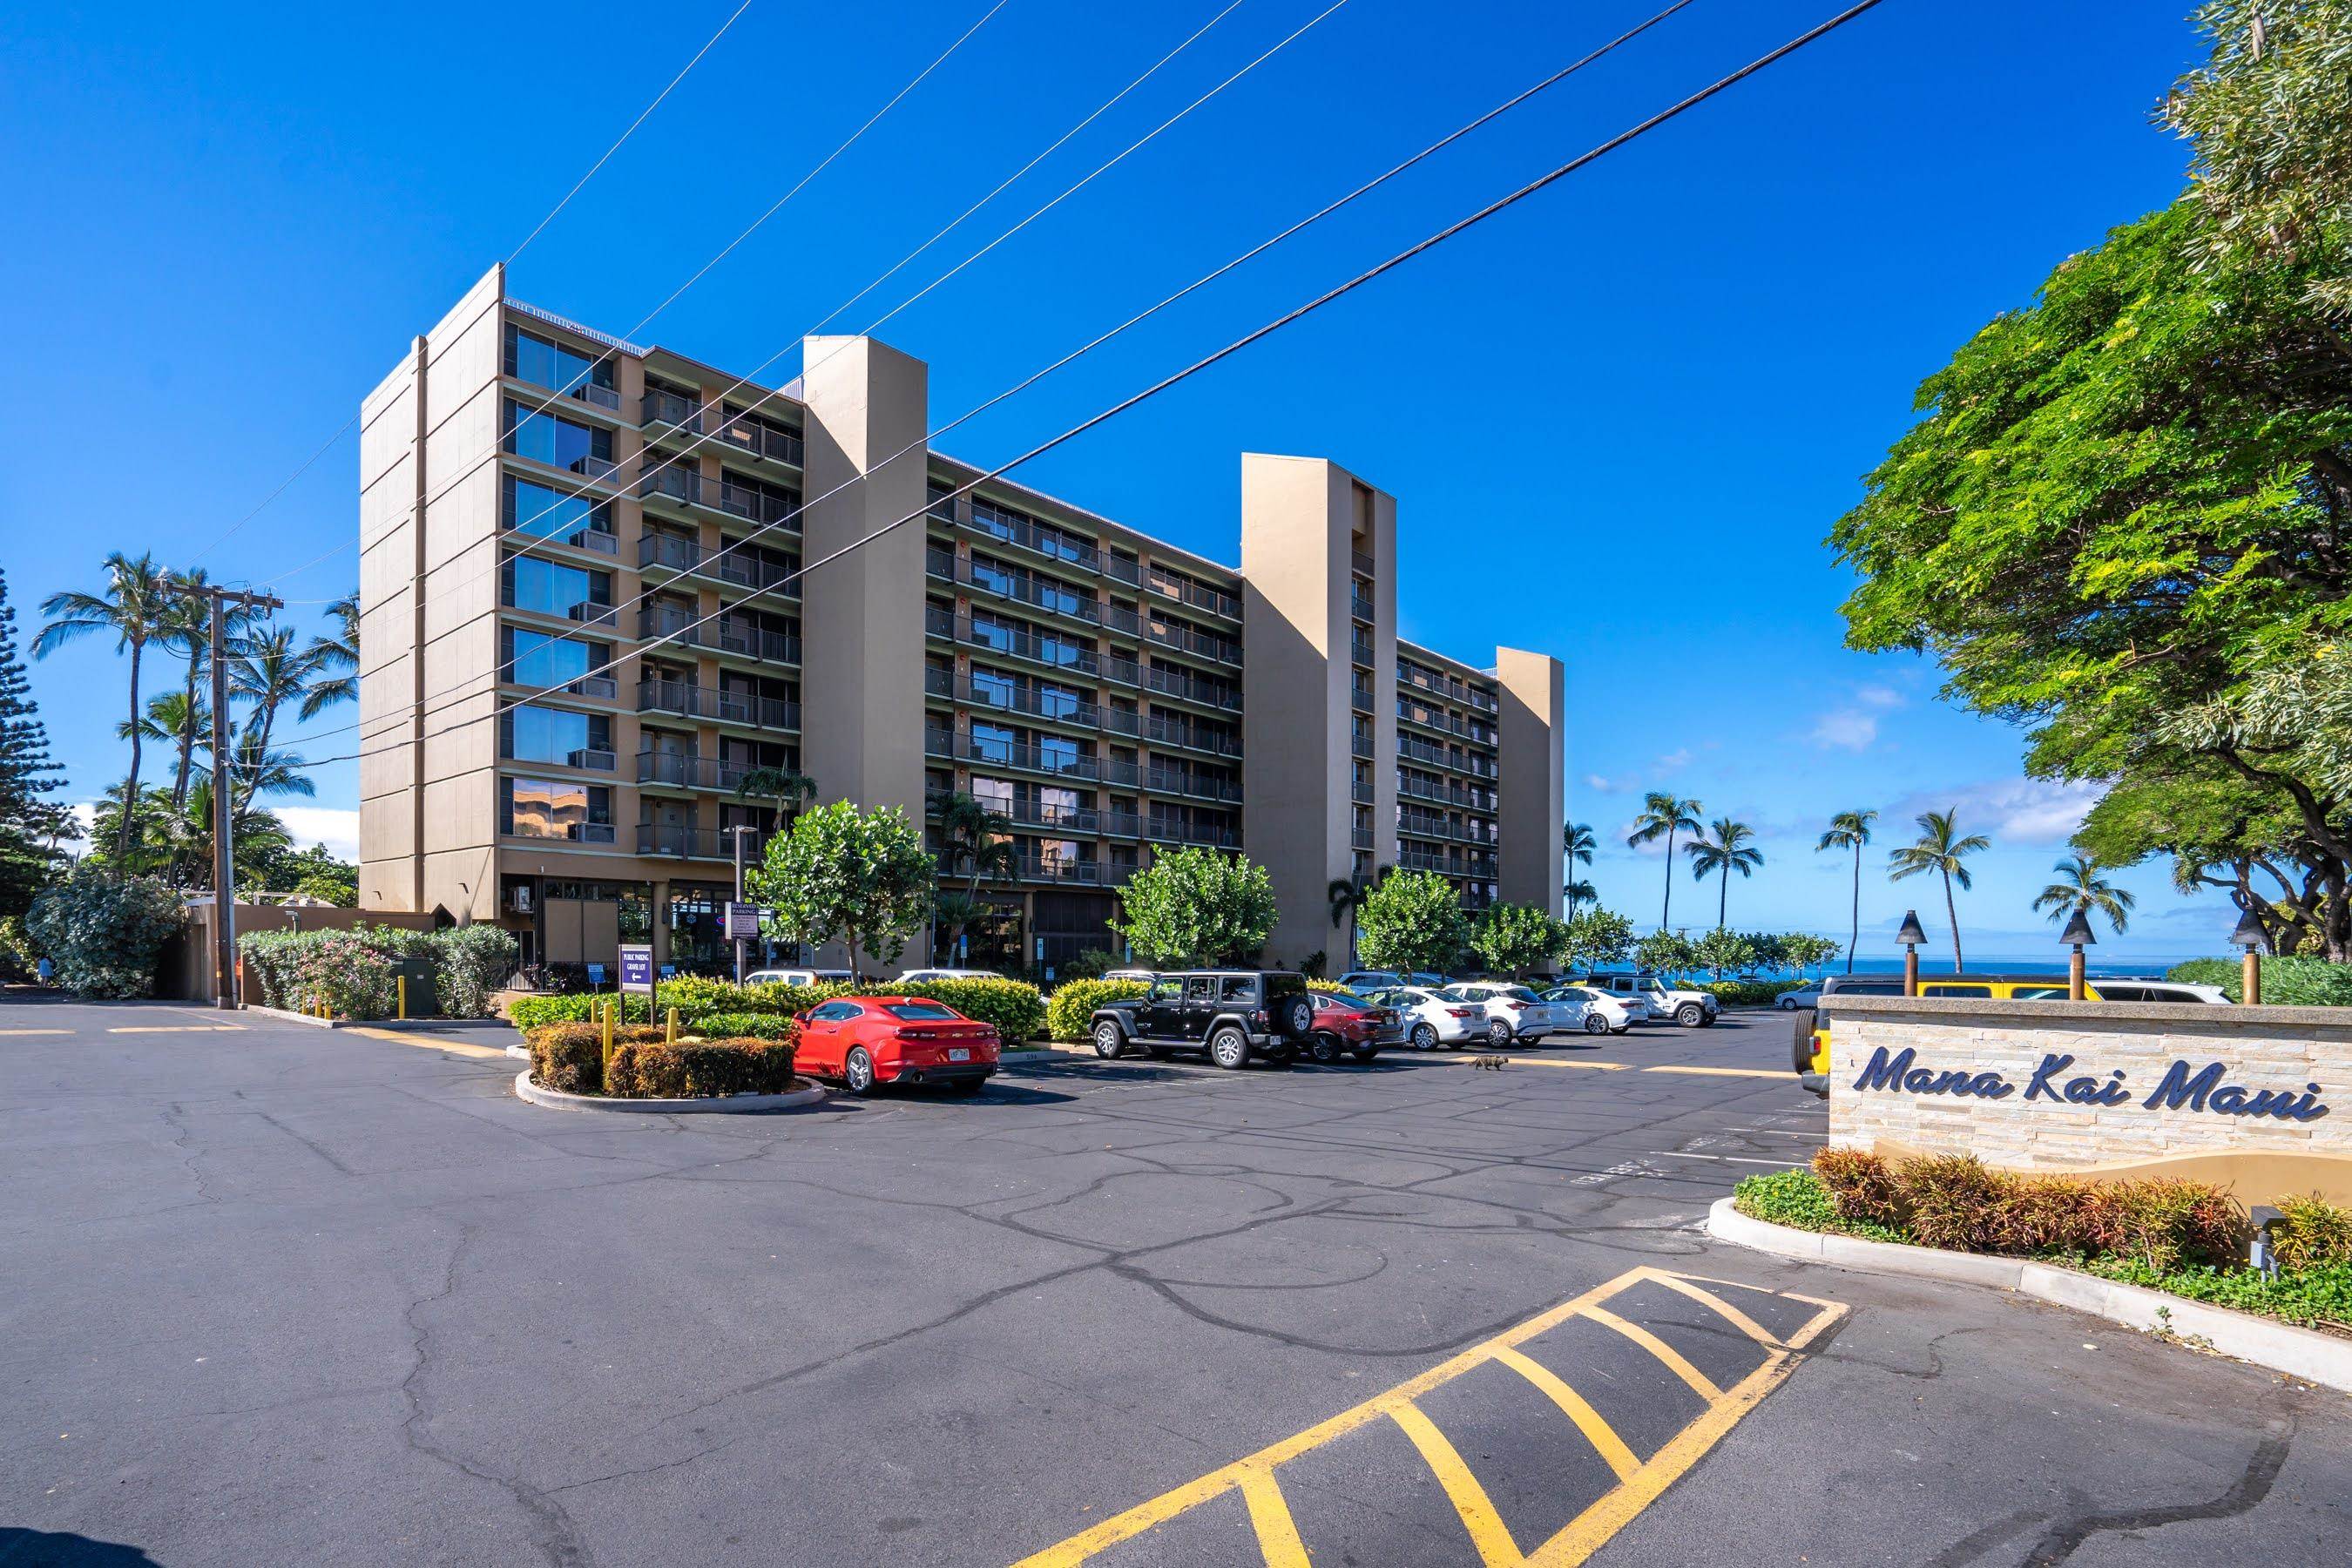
{"x":1533,"y":789}
{"x":863,"y":614}
{"x":1319,"y":615}
{"x":428,"y":623}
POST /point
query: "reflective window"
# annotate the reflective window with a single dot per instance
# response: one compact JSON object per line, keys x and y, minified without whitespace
{"x":994,"y":742}
{"x":528,"y":733}
{"x":543,"y":658}
{"x":545,"y":363}
{"x":527,"y":583}
{"x":549,"y":808}
{"x":558,"y":443}
{"x":545,"y":512}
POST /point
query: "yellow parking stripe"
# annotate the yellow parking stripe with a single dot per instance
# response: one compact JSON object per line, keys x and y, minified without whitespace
{"x":1278,"y":1536}
{"x":1638,"y":1483}
{"x":1487,"y":1531}
{"x":1597,"y":1432}
{"x":177,"y":1030}
{"x":1673,"y":1358}
{"x":428,"y":1042}
{"x":13,"y":1032}
{"x":1729,"y":1072}
{"x":1730,"y":1313}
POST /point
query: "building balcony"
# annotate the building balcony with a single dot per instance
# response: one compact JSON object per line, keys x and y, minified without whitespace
{"x":1200,"y":597}
{"x":1446,"y":794}
{"x":1360,"y":838}
{"x":720,"y":634}
{"x":761,"y":440}
{"x":751,"y":503}
{"x":589,"y":613}
{"x":944,"y":564}
{"x":1359,"y":652}
{"x":669,"y":769}
{"x":698,"y":843}
{"x":709,"y":702}
{"x":1177,"y":781}
{"x":1443,"y":723}
{"x":1011,"y":642}
{"x":1022,"y":758}
{"x":1084,"y":873}
{"x":1360,"y":698}
{"x":1360,"y":606}
{"x":1359,"y":745}
{"x":1218,"y":650}
{"x":1060,"y":548}
{"x":1362,"y":562}
{"x":667,"y":408}
{"x":1450,"y":688}
{"x":1361,"y":793}
{"x":666,"y":553}
{"x":1170,"y":684}
{"x":1171,"y":830}
{"x":596,"y":833}
{"x":1422,"y":752}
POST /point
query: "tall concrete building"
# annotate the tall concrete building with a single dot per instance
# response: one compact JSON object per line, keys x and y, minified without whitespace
{"x":581,"y":633}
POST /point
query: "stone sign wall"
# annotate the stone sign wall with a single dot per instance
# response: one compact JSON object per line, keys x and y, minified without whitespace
{"x":2072,"y":1086}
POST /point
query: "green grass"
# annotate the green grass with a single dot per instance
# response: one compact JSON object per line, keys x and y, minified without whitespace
{"x":1798,"y":1200}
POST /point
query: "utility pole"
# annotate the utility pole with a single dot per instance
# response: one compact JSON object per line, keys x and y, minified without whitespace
{"x":737,"y":833}
{"x":216,"y":603}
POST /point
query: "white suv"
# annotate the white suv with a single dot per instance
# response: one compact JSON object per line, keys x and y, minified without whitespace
{"x":1691,"y":1009}
{"x":1514,"y":1012}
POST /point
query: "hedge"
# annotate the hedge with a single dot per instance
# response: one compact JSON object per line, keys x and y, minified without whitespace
{"x":1014,"y":1006}
{"x":103,"y":933}
{"x":1069,"y":1015}
{"x":350,"y":971}
{"x":1744,"y":992}
{"x":747,"y":1026}
{"x":2290,"y":980}
{"x":693,"y":1069}
{"x":570,"y":1057}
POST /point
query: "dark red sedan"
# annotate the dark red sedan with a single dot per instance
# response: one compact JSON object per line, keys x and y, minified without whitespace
{"x":1345,"y":1022}
{"x":868,"y":1041}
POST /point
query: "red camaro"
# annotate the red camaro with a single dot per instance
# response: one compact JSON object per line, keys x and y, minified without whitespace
{"x":867,"y":1041}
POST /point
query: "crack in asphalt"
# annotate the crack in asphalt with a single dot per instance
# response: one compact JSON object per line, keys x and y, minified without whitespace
{"x":2064,"y":1536}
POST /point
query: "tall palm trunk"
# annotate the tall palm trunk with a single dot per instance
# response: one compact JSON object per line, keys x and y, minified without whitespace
{"x":1723,"y":899}
{"x":1853,"y":936}
{"x":130,"y":788}
{"x":1952,"y":912}
{"x":1666,"y":909}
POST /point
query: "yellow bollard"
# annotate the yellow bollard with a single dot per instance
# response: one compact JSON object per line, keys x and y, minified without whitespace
{"x":607,"y":1014}
{"x":671,"y":1032}
{"x":401,"y":982}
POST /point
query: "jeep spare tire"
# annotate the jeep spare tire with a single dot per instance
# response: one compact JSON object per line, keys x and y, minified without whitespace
{"x":1295,"y":1017}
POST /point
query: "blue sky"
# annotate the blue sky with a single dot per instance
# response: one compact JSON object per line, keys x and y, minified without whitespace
{"x":1619,"y":418}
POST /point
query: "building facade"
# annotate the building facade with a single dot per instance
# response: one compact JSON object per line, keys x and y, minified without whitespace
{"x":625,"y":562}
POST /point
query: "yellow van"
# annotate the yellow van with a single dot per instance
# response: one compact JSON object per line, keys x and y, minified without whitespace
{"x":1811,"y":1045}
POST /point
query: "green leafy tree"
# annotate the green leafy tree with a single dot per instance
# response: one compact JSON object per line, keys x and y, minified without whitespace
{"x":105,"y":931}
{"x":1192,"y":907}
{"x":2081,"y":888}
{"x":1518,"y":939}
{"x":1665,"y":952}
{"x":28,"y":777}
{"x":1597,"y":937}
{"x":1732,"y":848}
{"x":1805,"y":951}
{"x":863,"y":878}
{"x":1663,"y":815}
{"x":1576,"y":847}
{"x":136,"y":606}
{"x":1850,"y":830}
{"x":1941,"y":848}
{"x":2221,"y":831}
{"x":1722,"y":953}
{"x":1410,"y":920}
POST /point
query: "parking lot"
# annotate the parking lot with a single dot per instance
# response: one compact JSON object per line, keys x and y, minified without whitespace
{"x":286,"y":1295}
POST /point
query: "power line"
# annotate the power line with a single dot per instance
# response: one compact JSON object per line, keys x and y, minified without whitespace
{"x":1097,"y":341}
{"x":625,"y":136}
{"x":346,"y":426}
{"x":672,"y":297}
{"x":1459,"y":226}
{"x":766,"y":396}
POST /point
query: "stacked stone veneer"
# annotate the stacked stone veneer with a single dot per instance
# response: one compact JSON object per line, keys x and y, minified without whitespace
{"x":2281,"y":1049}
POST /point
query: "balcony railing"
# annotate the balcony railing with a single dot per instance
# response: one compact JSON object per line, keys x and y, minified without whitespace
{"x":1173,"y":732}
{"x":590,"y":614}
{"x":1449,"y":794}
{"x":1011,"y":641}
{"x":689,"y":772}
{"x":1437,"y":757}
{"x":710,"y":703}
{"x":671,"y":482}
{"x":754,"y":504}
{"x":1170,"y":684}
{"x":1360,"y":606}
{"x":721,"y":634}
{"x":590,"y":758}
{"x":1360,"y":745}
{"x":696,"y":843}
{"x":1221,"y":649}
{"x":1014,"y":589}
{"x":658,"y":407}
{"x":1360,"y":651}
{"x":1413,"y":713}
{"x":996,"y":754}
{"x":668,"y":553}
{"x":1421,"y":678}
{"x":1019,"y":700}
{"x":573,"y":833}
{"x":1361,"y":793}
{"x":1032,"y":868}
{"x":1200,"y":596}
{"x":1180,"y":781}
{"x":1360,"y":698}
{"x":1360,"y":561}
{"x":746,"y":434}
{"x":1360,"y":837}
{"x":1176,"y":830}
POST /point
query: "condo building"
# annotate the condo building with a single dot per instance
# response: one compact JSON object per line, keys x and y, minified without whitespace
{"x":570,"y":698}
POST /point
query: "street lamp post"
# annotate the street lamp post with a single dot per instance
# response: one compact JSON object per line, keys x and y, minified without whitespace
{"x":737,"y":832}
{"x":2076,"y":936}
{"x":1911,"y":936}
{"x":2249,"y":936}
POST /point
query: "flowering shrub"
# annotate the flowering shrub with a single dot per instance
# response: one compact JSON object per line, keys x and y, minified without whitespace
{"x":468,"y":963}
{"x":340,"y":971}
{"x":103,"y":934}
{"x":297,"y":970}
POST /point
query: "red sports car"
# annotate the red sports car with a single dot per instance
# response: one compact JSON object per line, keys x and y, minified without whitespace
{"x":868,"y":1041}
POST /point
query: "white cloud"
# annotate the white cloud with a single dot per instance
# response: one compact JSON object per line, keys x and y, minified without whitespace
{"x":1673,"y":760}
{"x":1878,"y":697}
{"x":338,"y":830}
{"x":1845,"y":730}
{"x":2012,"y":811}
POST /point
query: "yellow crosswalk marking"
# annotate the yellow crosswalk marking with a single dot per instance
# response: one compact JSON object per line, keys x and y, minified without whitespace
{"x":1488,"y":1533}
{"x":1278,"y":1536}
{"x":1673,"y":1358}
{"x":1597,"y":1432}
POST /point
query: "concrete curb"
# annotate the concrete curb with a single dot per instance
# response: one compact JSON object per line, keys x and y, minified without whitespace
{"x":730,"y":1105}
{"x":2306,"y":1353}
{"x":410,"y":1026}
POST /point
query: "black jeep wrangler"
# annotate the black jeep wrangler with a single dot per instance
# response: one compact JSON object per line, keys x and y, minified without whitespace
{"x":1231,"y":1014}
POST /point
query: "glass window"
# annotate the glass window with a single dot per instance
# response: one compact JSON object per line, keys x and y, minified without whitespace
{"x":1058,"y":752}
{"x":927,"y":1012}
{"x":543,"y":658}
{"x":1166,"y":990}
{"x":558,"y":443}
{"x":545,"y":363}
{"x":1933,"y":990}
{"x":1200,"y":988}
{"x":548,"y":808}
{"x":534,"y":734}
{"x":549,"y":588}
{"x":545,"y":512}
{"x":1236,"y":988}
{"x":994,"y":742}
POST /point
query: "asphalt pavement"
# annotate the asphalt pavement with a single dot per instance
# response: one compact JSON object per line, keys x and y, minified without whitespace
{"x":283,"y":1295}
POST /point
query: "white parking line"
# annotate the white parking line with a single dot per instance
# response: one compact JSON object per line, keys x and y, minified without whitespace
{"x":1731,"y":1158}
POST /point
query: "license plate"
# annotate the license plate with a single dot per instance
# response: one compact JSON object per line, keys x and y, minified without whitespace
{"x":959,"y":1054}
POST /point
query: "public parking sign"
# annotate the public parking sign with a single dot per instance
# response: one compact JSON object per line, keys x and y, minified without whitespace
{"x":637,"y":968}
{"x":743,"y":921}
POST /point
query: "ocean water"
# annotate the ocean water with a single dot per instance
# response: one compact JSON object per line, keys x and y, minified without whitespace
{"x":1995,"y":964}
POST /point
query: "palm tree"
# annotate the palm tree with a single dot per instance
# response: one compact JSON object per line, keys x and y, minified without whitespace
{"x":1578,"y":892}
{"x":1346,"y":897}
{"x":1850,"y":830}
{"x":1733,"y":848}
{"x":1576,"y":843}
{"x":979,"y":838}
{"x":787,"y":787}
{"x":2080,"y":889}
{"x":269,"y":671}
{"x":952,"y":914}
{"x":191,"y":635}
{"x":1663,"y":815}
{"x":335,"y":658}
{"x":137,"y":606}
{"x":1939,"y":848}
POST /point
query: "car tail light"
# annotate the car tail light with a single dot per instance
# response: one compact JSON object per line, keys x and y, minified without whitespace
{"x":1463,"y":1012}
{"x":1259,"y":1017}
{"x":908,"y":1034}
{"x":1516,"y":1006}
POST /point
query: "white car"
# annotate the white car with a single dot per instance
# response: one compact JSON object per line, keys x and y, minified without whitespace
{"x":1802,"y":996}
{"x":1597,"y":1012}
{"x":925,"y":976}
{"x":1144,"y":976}
{"x":1362,"y":981}
{"x":1691,"y":1009}
{"x":1513,"y":1013}
{"x":1431,"y":1019}
{"x":799,"y":977}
